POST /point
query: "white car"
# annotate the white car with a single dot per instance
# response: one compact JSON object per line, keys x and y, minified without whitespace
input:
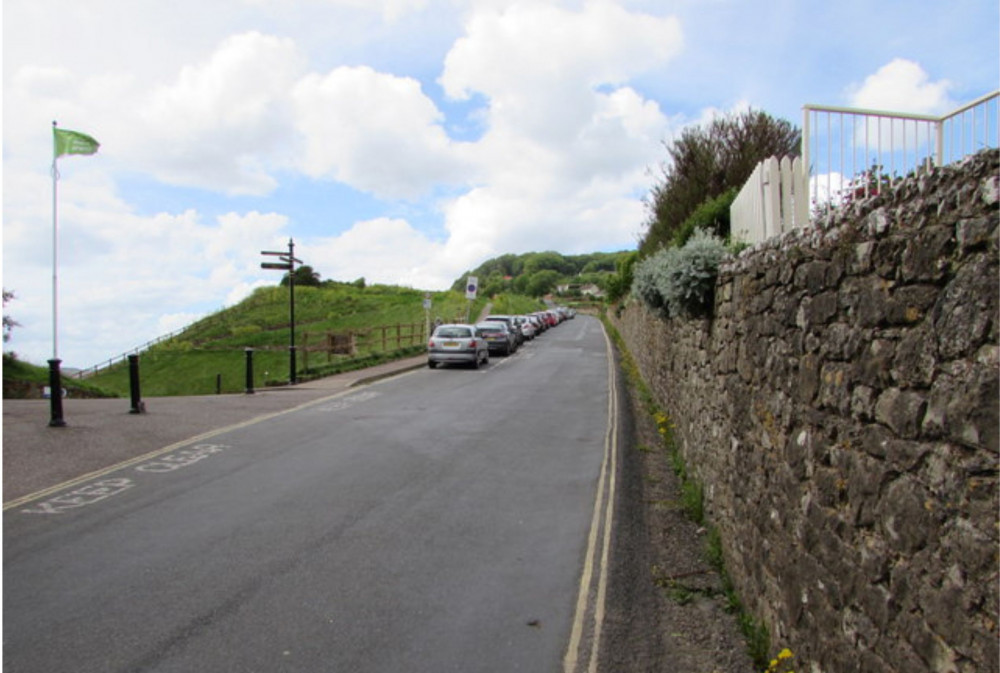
{"x":528,"y":328}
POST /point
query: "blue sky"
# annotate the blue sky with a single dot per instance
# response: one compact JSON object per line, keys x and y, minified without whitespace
{"x":405,"y":141}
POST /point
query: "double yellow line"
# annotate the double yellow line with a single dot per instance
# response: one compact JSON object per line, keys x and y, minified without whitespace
{"x":600,"y":529}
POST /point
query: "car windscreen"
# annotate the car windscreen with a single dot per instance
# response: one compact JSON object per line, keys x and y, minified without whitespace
{"x":453,"y":333}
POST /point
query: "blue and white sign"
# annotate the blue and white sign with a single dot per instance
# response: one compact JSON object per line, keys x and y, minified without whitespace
{"x":471,"y":287}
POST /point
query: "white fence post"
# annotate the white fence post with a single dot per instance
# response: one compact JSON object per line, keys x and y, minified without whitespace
{"x":774,"y":200}
{"x":800,"y":186}
{"x":771,"y":188}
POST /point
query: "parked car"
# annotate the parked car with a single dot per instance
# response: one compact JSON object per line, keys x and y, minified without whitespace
{"x":498,"y":337}
{"x":549,"y":317}
{"x":526,"y":326}
{"x":457,"y":343}
{"x":511,"y":325}
{"x":536,"y":322}
{"x":543,"y":322}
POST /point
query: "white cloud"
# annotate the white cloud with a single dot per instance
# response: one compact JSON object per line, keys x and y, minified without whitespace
{"x":220,"y":122}
{"x":390,"y":9}
{"x":383,"y":250}
{"x":374,"y":131}
{"x":902,"y":86}
{"x":539,"y":64}
{"x":567,"y":140}
{"x":119,"y":272}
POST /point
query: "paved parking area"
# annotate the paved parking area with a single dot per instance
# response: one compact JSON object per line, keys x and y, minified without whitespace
{"x":100,"y":433}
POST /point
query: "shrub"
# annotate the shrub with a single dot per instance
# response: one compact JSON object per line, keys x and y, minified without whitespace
{"x":646,"y":284}
{"x":704,"y":162}
{"x":618,"y":284}
{"x":712,"y":216}
{"x":677,"y":282}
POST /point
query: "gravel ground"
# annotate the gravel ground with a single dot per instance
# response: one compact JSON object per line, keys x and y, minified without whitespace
{"x":666,"y":611}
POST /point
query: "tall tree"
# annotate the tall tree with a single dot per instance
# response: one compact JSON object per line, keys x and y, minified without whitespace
{"x":304,"y":275}
{"x":8,"y":322}
{"x":705,"y":162}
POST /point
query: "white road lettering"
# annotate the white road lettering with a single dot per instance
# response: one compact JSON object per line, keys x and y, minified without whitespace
{"x":183,"y":458}
{"x":83,"y":496}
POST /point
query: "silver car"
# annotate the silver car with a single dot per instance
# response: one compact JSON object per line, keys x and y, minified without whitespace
{"x":498,"y":338}
{"x":458,"y":343}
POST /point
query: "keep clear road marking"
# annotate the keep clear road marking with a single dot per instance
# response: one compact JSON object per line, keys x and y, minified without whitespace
{"x":101,"y":490}
{"x":605,"y":499}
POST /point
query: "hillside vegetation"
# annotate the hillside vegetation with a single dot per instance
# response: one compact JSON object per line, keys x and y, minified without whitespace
{"x":25,"y":380}
{"x":536,"y":274}
{"x":209,"y":355}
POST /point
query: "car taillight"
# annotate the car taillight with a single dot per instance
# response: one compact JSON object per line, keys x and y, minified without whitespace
{"x":472,"y":343}
{"x":430,"y":344}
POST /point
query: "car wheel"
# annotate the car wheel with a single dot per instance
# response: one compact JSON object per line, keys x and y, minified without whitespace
{"x":432,"y":364}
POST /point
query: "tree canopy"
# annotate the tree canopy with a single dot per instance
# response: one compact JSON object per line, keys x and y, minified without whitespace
{"x":304,"y":275}
{"x":538,"y":273}
{"x":705,"y":163}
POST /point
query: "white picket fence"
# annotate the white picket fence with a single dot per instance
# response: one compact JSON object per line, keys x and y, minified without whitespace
{"x":774,"y":200}
{"x":849,"y":153}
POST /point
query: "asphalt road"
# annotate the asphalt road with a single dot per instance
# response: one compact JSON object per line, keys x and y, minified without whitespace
{"x":437,"y":521}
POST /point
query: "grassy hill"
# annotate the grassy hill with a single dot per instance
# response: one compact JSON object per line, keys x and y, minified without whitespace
{"x":386,"y":322}
{"x":25,"y":380}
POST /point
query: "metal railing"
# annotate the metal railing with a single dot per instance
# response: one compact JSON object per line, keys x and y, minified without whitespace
{"x":849,"y":153}
{"x":90,"y":371}
{"x":852,"y":153}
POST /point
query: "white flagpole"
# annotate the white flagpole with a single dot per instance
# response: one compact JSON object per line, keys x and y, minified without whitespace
{"x":56,"y":419}
{"x":55,"y":252}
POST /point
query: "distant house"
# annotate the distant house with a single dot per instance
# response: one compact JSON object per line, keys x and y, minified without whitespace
{"x":588,"y":289}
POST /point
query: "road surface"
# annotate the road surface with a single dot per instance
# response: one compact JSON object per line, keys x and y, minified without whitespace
{"x":443,"y":520}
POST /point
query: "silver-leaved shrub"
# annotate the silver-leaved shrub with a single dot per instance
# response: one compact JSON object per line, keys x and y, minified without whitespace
{"x":680,"y":282}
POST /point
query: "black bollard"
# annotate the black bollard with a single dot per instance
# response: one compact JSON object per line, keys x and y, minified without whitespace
{"x":55,"y":395}
{"x":218,"y":384}
{"x":133,"y":383}
{"x":249,"y":352}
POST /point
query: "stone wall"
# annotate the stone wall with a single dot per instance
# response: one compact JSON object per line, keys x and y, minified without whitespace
{"x":841,"y":409}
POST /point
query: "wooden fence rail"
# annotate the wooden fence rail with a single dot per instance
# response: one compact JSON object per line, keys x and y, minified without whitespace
{"x":380,"y":339}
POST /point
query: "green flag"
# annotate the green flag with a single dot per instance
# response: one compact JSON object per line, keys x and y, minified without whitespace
{"x":73,"y":142}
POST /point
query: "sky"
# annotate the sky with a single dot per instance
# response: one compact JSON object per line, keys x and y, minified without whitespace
{"x":403,"y":141}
